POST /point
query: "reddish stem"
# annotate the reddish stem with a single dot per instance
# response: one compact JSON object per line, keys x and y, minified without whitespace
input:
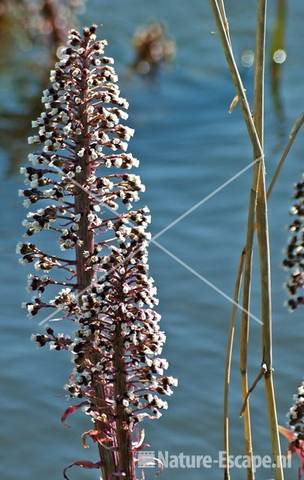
{"x":85,"y":276}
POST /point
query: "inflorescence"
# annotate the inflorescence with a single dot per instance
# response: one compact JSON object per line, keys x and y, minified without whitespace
{"x":294,"y":260}
{"x":79,"y":175}
{"x":296,"y":416}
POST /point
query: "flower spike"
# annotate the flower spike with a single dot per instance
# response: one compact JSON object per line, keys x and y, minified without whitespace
{"x":294,"y":259}
{"x":79,"y":174}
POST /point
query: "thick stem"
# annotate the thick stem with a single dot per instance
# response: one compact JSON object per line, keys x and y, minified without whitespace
{"x":85,"y":276}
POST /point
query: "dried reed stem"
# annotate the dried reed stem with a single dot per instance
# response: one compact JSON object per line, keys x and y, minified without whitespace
{"x":258,"y":202}
{"x":250,"y":230}
{"x":222,"y":8}
{"x":298,"y":124}
{"x":263,"y":242}
{"x":229,"y":359}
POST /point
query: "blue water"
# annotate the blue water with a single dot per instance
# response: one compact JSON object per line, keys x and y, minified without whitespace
{"x":188,"y":145}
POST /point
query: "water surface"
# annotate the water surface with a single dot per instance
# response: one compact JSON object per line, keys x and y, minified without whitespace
{"x":188,"y":145}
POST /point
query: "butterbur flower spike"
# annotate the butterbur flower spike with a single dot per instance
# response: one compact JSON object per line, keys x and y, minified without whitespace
{"x":294,"y":259}
{"x":295,"y":433}
{"x":102,"y":274}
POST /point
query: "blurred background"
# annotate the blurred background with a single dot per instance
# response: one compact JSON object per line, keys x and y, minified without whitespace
{"x":174,"y":75}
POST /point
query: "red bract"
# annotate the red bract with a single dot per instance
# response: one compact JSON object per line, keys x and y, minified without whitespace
{"x":95,"y":436}
{"x":72,"y":409}
{"x":83,"y":464}
{"x":295,"y":446}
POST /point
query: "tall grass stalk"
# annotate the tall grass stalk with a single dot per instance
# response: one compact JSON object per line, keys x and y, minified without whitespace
{"x":263,"y":241}
{"x":257,"y":212}
{"x":229,"y":352}
{"x":297,"y":125}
